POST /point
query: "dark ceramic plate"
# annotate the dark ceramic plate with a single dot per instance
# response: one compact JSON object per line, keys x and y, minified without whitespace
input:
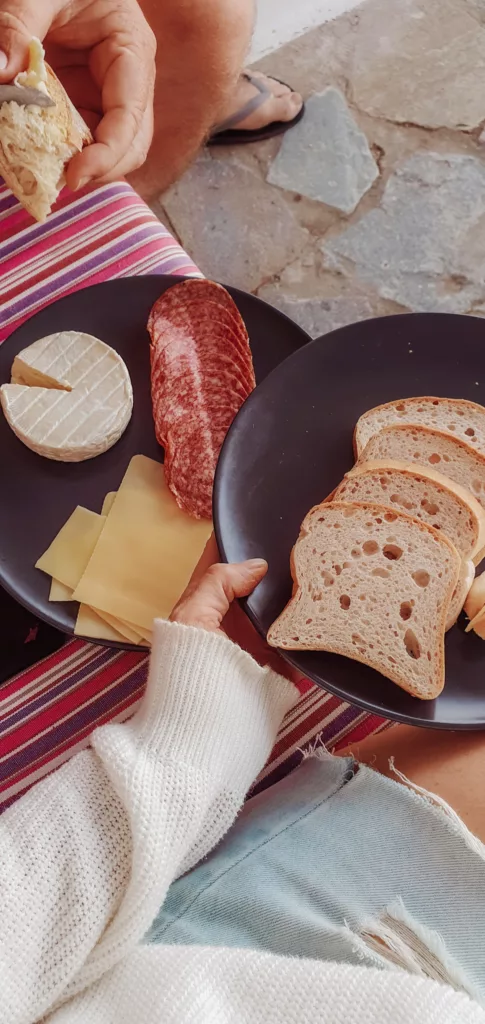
{"x":290,"y":446}
{"x":37,"y":494}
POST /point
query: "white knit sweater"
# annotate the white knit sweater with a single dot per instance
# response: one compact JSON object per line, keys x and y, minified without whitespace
{"x":87,"y":856}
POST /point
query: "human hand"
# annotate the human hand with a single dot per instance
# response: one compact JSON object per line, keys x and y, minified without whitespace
{"x":208,"y":597}
{"x":207,"y":603}
{"x":103,"y":51}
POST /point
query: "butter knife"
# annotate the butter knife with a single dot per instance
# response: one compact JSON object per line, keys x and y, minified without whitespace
{"x":25,"y":96}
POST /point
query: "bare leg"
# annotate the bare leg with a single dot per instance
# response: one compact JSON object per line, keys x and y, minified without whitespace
{"x":202,"y":45}
{"x":452,"y":765}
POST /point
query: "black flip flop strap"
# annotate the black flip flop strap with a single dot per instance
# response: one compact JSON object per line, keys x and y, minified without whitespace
{"x":253,"y":104}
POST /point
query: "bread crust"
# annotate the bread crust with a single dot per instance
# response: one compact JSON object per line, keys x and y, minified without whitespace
{"x":357,"y":443}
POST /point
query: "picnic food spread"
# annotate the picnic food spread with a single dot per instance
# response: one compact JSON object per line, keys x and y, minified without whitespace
{"x":384,"y":566}
{"x":38,"y":142}
{"x":70,"y":397}
{"x":201,"y":373}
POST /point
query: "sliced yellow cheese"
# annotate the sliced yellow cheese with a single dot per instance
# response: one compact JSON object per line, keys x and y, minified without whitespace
{"x":89,"y":624}
{"x":59,"y":592}
{"x":147,"y":551}
{"x":68,"y":555}
{"x":108,"y":503}
{"x":148,"y":637}
{"x":124,"y":628}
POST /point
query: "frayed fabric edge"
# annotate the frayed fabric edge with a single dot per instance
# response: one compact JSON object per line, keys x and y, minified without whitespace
{"x":395,"y":940}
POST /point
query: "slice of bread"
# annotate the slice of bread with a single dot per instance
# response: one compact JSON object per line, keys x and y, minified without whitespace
{"x":426,"y":447}
{"x":375,"y":586}
{"x":36,"y":144}
{"x":421,"y":492}
{"x":475,"y":602}
{"x":455,"y":416}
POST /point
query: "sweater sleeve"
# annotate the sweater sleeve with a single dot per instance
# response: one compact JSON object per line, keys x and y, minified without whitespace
{"x":87,"y":856}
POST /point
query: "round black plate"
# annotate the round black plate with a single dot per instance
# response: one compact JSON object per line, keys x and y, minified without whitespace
{"x":291,"y":444}
{"x":38,"y":495}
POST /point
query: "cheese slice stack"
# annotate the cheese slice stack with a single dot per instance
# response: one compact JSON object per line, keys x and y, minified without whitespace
{"x":130,"y":564}
{"x":70,"y":397}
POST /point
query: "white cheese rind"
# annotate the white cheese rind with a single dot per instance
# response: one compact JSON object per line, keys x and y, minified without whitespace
{"x":68,"y":425}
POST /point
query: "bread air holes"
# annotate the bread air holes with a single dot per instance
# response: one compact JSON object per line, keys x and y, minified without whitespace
{"x":356,"y":553}
{"x":406,"y":610}
{"x":370,"y":547}
{"x":421,"y":578}
{"x":476,"y":486}
{"x":430,"y":507}
{"x":398,"y":500}
{"x":411,"y":644}
{"x":390,"y":517}
{"x":392,"y":551}
{"x":383,"y":573}
{"x":470,"y":432}
{"x":434,"y":458}
{"x":328,"y":580}
{"x":345,"y":602}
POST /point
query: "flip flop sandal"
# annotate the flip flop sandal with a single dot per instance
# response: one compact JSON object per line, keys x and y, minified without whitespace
{"x":225,"y":134}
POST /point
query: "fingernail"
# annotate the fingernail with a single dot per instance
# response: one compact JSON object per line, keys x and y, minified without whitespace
{"x":257,"y":563}
{"x":82,"y":184}
{"x":3,"y":60}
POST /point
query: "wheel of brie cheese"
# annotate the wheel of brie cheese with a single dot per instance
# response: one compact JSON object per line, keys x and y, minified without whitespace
{"x":70,"y":397}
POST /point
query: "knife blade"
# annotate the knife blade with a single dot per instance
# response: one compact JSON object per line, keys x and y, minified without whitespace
{"x":25,"y":96}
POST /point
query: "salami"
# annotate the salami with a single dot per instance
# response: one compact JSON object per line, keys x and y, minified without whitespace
{"x":201,"y":373}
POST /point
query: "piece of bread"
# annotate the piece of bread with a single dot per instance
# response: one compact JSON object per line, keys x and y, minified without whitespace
{"x":455,"y":416}
{"x":426,"y":447}
{"x":372,"y":585}
{"x":475,"y":602}
{"x":36,"y":144}
{"x":460,"y":593}
{"x":421,"y":492}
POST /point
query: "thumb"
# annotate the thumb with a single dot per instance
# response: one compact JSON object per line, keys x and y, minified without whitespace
{"x":238,"y":579}
{"x":206,"y":601}
{"x":20,"y":20}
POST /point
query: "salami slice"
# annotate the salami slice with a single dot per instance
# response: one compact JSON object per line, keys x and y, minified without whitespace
{"x":194,"y":301}
{"x":218,"y":358}
{"x":201,"y":373}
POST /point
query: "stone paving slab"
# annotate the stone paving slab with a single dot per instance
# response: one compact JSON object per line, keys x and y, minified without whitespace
{"x":234,"y":227}
{"x":420,"y":62}
{"x":319,"y":316}
{"x":326,"y":156}
{"x":425,"y":246}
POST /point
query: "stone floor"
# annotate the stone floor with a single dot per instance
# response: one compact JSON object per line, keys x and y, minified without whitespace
{"x":375,"y":202}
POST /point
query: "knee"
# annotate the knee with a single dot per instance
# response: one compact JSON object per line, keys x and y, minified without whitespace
{"x":222,"y":28}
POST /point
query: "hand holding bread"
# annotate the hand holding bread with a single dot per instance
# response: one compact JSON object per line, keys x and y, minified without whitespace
{"x":103,"y":54}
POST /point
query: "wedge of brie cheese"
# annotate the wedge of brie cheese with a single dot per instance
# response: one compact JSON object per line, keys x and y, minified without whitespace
{"x":70,"y":397}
